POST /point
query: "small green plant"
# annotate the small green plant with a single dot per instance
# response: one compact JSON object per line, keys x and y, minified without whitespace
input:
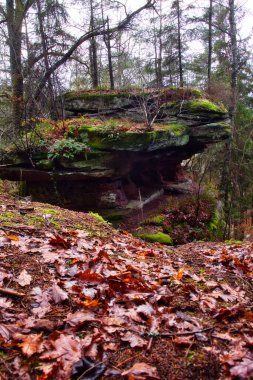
{"x":156,"y":220}
{"x":98,"y":217}
{"x":158,"y":237}
{"x":67,"y":148}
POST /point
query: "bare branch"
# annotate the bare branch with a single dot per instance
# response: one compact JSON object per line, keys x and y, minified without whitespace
{"x":97,"y":32}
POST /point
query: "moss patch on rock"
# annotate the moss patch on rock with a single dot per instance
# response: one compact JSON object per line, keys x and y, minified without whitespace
{"x":157,"y":237}
{"x":175,"y":134}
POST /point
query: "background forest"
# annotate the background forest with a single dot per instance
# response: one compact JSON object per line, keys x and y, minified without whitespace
{"x":49,"y":47}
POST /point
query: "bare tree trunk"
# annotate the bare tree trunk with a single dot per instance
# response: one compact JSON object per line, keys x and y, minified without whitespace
{"x":234,"y":53}
{"x":15,"y":14}
{"x":107,"y":41}
{"x":93,"y":50}
{"x":179,"y":43}
{"x":86,"y":37}
{"x":229,"y":179}
{"x":52,"y":105}
{"x":210,"y":44}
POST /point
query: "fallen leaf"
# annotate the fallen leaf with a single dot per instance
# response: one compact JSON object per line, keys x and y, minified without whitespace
{"x":12,"y":237}
{"x":58,"y":240}
{"x":134,"y":340}
{"x":138,"y":370}
{"x":79,"y":317}
{"x":183,"y":340}
{"x":179,"y":275}
{"x":243,"y":370}
{"x":5,"y":303}
{"x":90,"y":276}
{"x":87,"y":369}
{"x":58,"y":294}
{"x":24,"y":278}
{"x":31,"y":344}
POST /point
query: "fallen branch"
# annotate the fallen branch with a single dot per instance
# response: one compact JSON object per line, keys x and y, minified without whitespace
{"x":11,"y":292}
{"x":165,"y":335}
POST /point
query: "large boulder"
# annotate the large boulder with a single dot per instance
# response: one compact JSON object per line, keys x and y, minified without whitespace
{"x":104,"y":162}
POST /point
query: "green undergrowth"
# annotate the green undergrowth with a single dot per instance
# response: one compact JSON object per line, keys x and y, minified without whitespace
{"x":158,"y":237}
{"x":186,"y":219}
{"x":98,"y":217}
{"x":48,"y":217}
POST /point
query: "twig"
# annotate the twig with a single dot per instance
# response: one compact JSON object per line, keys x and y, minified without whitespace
{"x":6,"y":366}
{"x":128,"y":360}
{"x":11,"y":292}
{"x":186,"y":333}
{"x":91,"y":368}
{"x":149,"y":344}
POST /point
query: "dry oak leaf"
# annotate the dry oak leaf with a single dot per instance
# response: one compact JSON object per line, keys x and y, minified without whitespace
{"x":31,"y":344}
{"x":24,"y":278}
{"x":243,"y":370}
{"x":183,"y":340}
{"x":12,"y":237}
{"x":179,"y":275}
{"x":5,"y":303}
{"x":66,"y":347}
{"x":58,"y":240}
{"x":141,"y":371}
{"x":79,"y":317}
{"x":6,"y":331}
{"x":134,"y":340}
{"x":58,"y":294}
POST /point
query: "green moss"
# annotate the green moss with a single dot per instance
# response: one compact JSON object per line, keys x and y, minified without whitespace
{"x":199,"y":105}
{"x":98,"y":217}
{"x":35,"y":220}
{"x":197,"y":92}
{"x":169,"y":135}
{"x":158,"y":237}
{"x":233,"y":241}
{"x":7,"y":216}
{"x":45,"y":164}
{"x":103,"y":96}
{"x":157,"y":220}
{"x":49,"y":211}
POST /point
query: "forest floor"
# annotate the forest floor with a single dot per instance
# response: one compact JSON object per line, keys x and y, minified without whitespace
{"x":81,"y":300}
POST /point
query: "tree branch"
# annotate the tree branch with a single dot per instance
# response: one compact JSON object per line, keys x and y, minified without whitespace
{"x":97,"y":32}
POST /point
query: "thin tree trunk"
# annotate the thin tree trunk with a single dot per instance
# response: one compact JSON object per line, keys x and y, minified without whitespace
{"x":234,"y":53}
{"x":93,"y":50}
{"x":159,"y":62}
{"x":52,"y":105}
{"x":110,"y":65}
{"x":227,"y":175}
{"x":179,"y":43}
{"x":15,"y":16}
{"x":210,"y":45}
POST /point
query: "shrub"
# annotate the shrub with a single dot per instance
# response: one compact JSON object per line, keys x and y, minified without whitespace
{"x":67,"y":148}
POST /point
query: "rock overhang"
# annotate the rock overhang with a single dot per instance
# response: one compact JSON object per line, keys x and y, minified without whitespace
{"x":121,"y":155}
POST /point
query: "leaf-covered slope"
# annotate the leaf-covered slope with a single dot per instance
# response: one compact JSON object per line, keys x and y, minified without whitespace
{"x":73,"y":288}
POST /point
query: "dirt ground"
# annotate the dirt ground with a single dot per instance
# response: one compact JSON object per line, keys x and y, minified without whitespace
{"x":81,"y":300}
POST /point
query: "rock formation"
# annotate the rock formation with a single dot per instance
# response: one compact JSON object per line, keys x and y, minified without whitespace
{"x":114,"y":157}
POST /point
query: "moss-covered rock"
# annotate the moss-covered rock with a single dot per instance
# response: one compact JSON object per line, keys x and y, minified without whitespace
{"x":210,"y":133}
{"x":157,"y":237}
{"x":195,"y":109}
{"x":167,"y":136}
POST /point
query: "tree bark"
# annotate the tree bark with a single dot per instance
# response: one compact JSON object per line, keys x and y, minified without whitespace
{"x":210,"y":44}
{"x":93,"y":50}
{"x":234,"y":54}
{"x":109,"y":55}
{"x":179,"y":43}
{"x":15,"y":14}
{"x":52,"y":103}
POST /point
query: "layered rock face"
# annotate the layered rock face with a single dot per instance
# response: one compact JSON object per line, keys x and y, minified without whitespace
{"x":126,"y":161}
